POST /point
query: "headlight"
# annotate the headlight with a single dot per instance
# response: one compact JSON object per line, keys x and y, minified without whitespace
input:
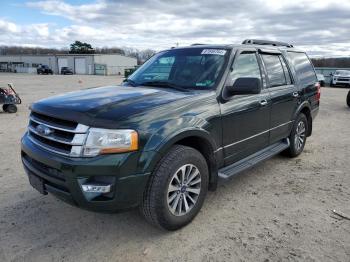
{"x":107,"y":141}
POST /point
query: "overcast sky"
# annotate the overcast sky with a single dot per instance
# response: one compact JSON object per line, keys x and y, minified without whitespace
{"x":320,"y":27}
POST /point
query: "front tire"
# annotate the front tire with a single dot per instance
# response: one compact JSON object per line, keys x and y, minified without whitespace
{"x":177,"y":188}
{"x":298,"y":136}
{"x":348,"y":99}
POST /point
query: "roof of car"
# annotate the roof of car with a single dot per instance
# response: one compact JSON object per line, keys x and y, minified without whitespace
{"x":236,"y":46}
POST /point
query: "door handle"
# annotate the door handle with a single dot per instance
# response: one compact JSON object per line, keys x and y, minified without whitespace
{"x":263,"y":102}
{"x":295,"y":94}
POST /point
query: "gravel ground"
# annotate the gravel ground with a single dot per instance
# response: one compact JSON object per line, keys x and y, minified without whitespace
{"x":281,"y":210}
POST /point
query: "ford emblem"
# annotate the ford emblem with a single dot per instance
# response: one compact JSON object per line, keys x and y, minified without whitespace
{"x":43,"y":130}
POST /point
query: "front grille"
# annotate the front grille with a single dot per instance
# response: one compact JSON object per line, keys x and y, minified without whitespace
{"x":57,"y":135}
{"x":343,"y":79}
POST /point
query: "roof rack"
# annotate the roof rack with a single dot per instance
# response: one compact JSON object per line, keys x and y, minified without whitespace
{"x":265,"y":42}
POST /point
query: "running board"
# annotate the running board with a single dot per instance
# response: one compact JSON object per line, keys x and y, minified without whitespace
{"x":250,"y":161}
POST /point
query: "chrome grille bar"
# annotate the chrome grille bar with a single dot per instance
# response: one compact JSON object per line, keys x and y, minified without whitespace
{"x":46,"y":147}
{"x":79,"y":129}
{"x":62,"y":140}
{"x":77,"y":140}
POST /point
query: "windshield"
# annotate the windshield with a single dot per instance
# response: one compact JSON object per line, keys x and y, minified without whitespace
{"x":192,"y":68}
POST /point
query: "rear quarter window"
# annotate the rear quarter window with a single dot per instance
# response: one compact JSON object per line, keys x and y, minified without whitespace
{"x":303,"y":68}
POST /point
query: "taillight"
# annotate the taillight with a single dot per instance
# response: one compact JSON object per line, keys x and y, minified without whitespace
{"x":318,"y":94}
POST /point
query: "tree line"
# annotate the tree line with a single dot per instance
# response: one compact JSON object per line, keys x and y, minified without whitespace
{"x":338,"y":62}
{"x":78,"y":48}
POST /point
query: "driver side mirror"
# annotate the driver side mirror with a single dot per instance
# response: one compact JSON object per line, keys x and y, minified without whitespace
{"x":245,"y":86}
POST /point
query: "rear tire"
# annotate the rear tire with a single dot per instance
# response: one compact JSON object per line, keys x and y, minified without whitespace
{"x":10,"y":108}
{"x":177,"y":188}
{"x":4,"y":108}
{"x":298,"y":136}
{"x":348,"y":99}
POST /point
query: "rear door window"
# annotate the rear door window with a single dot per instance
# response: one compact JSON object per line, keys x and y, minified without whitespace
{"x":303,"y":68}
{"x":274,"y":68}
{"x":286,"y":71}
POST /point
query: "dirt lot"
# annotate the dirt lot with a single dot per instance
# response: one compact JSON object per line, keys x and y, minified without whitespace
{"x":278,"y":211}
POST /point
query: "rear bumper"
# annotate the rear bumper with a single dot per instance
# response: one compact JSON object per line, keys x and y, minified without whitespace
{"x":64,"y":176}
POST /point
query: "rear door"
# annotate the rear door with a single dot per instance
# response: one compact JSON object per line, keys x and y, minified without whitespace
{"x":283,"y":93}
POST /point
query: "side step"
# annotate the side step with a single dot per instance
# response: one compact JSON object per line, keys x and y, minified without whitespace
{"x":250,"y":161}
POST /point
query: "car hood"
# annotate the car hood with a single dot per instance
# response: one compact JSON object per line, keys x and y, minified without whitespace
{"x":342,"y":74}
{"x":104,"y":106}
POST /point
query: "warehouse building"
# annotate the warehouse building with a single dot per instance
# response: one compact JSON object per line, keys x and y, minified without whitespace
{"x":90,"y":64}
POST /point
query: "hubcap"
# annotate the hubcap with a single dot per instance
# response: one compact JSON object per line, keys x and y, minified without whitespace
{"x":299,"y":138}
{"x":184,"y":189}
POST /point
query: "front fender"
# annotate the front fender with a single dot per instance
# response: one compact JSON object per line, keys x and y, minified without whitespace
{"x":177,"y":129}
{"x":170,"y":133}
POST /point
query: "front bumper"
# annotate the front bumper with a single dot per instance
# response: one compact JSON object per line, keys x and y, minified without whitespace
{"x":341,"y":81}
{"x":62,"y":176}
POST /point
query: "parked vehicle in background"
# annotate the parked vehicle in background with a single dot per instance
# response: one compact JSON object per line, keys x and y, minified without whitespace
{"x":321,"y":79}
{"x":44,"y":70}
{"x":66,"y":71}
{"x":129,"y":71}
{"x":9,"y":99}
{"x":187,"y":118}
{"x":341,"y":78}
{"x":348,"y":99}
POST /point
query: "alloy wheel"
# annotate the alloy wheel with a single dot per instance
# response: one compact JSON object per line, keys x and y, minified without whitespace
{"x":300,"y":134}
{"x":184,"y":189}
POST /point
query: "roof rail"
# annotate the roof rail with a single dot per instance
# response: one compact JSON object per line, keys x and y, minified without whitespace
{"x":197,"y":44}
{"x":265,"y":42}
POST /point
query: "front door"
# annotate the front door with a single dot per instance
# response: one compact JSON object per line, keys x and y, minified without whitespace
{"x":245,"y":118}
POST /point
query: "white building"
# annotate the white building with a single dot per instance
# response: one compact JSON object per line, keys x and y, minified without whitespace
{"x":91,"y":64}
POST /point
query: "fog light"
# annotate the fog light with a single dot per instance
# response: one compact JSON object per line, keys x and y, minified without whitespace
{"x":96,"y":188}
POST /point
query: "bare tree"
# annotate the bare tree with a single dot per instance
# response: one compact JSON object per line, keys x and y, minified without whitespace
{"x":340,"y":62}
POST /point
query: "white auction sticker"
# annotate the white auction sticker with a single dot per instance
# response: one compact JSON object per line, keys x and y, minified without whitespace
{"x":213,"y":52}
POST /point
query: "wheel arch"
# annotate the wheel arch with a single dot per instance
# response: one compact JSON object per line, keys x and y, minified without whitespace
{"x":305,"y":108}
{"x":198,"y":139}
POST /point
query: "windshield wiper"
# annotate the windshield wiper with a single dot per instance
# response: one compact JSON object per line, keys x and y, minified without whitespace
{"x":164,"y":84}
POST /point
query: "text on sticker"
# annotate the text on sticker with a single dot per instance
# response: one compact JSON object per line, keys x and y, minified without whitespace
{"x":213,"y":52}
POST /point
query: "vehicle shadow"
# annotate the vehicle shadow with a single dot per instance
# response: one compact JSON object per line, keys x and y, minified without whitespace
{"x":30,"y":227}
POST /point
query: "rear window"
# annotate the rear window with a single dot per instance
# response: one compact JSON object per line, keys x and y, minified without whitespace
{"x":304,"y":70}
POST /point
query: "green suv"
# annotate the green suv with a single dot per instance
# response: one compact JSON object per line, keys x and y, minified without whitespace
{"x":186,"y":119}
